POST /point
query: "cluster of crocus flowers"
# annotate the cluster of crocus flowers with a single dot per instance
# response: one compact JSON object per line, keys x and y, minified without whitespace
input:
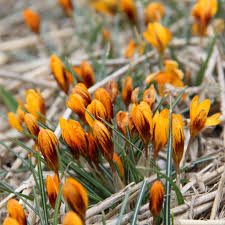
{"x":154,"y":11}
{"x":171,"y":75}
{"x":67,"y":6}
{"x":16,"y":215}
{"x":203,"y":11}
{"x":32,"y":20}
{"x":75,"y":195}
{"x":156,"y":196}
{"x":158,"y":36}
{"x":198,"y":116}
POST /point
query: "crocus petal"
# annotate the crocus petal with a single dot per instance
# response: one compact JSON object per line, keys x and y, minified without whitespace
{"x":213,"y":120}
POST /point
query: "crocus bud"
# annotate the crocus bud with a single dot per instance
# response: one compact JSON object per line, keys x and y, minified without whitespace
{"x":154,"y":11}
{"x":129,"y":8}
{"x":156,"y":199}
{"x":149,"y":96}
{"x":112,"y":89}
{"x":103,"y":96}
{"x":93,"y":151}
{"x":76,"y":137}
{"x":75,"y":195}
{"x":14,"y":122}
{"x":48,"y":143}
{"x":142,"y":118}
{"x":127,"y":91}
{"x":10,"y":221}
{"x":59,"y":73}
{"x":97,"y":109}
{"x":103,"y":140}
{"x":71,"y":218}
{"x":52,"y":188}
{"x":158,"y":36}
{"x":134,"y":95}
{"x":20,"y":114}
{"x":160,"y":130}
{"x":178,"y":139}
{"x":130,"y":49}
{"x":31,"y":124}
{"x":16,"y":212}
{"x":35,"y":104}
{"x":32,"y":20}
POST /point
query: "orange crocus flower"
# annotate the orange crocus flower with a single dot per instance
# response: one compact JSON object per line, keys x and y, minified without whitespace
{"x":129,"y":8}
{"x":112,"y":88}
{"x":67,"y":6}
{"x":149,"y":96}
{"x":48,"y":143}
{"x":158,"y":36}
{"x":171,"y":75}
{"x":31,"y":124}
{"x":75,"y":195}
{"x":156,"y":196}
{"x":59,"y":73}
{"x":130,"y":49}
{"x":52,"y":188}
{"x":198,"y":116}
{"x":203,"y":11}
{"x":16,"y":212}
{"x":71,"y":218}
{"x":32,"y":20}
{"x":160,"y":130}
{"x":35,"y":104}
{"x":154,"y":11}
{"x":134,"y":95}
{"x":14,"y":122}
{"x":103,"y":140}
{"x":178,"y":139}
{"x":127,"y":90}
{"x":97,"y":109}
{"x":20,"y":113}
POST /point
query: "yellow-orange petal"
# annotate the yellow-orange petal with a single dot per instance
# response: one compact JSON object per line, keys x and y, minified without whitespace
{"x":52,"y":188}
{"x":213,"y":120}
{"x":127,"y":90}
{"x":16,"y":212}
{"x":75,"y":195}
{"x":154,"y":11}
{"x":14,"y":122}
{"x":20,"y":114}
{"x":87,"y":74}
{"x":130,"y":49}
{"x":31,"y":124}
{"x":134,"y":95}
{"x":32,"y":20}
{"x":10,"y":221}
{"x":156,"y":196}
{"x":118,"y":161}
{"x":149,"y":96}
{"x":71,"y":218}
{"x":112,"y":89}
{"x":194,"y":107}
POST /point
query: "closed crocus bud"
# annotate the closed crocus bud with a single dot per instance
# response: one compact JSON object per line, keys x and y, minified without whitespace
{"x":32,"y":20}
{"x":67,"y":6}
{"x":14,"y":121}
{"x":59,"y":73}
{"x":76,"y":137}
{"x":129,"y":8}
{"x":149,"y":96}
{"x":112,"y":88}
{"x":103,"y":140}
{"x":31,"y":124}
{"x":20,"y":113}
{"x":198,"y":116}
{"x":35,"y":104}
{"x":122,"y":119}
{"x":160,"y":130}
{"x":134,"y":96}
{"x":97,"y":109}
{"x":158,"y":36}
{"x":154,"y":11}
{"x":142,"y":118}
{"x":16,"y":212}
{"x":48,"y":143}
{"x":156,"y":196}
{"x":130,"y":49}
{"x":127,"y":91}
{"x":71,"y":218}
{"x":93,"y":151}
{"x":203,"y":11}
{"x":75,"y":195}
{"x":103,"y":96}
{"x":178,"y":139}
{"x":10,"y":221}
{"x":52,"y":188}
